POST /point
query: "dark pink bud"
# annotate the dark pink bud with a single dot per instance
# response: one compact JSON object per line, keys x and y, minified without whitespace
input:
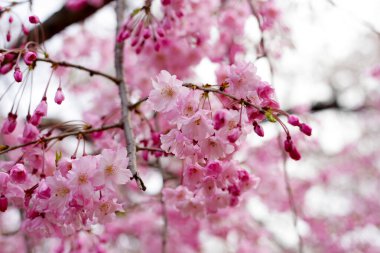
{"x":17,"y":75}
{"x":294,"y":154}
{"x":30,"y":57}
{"x":10,"y":20}
{"x":8,"y":36}
{"x":214,"y":169}
{"x":293,"y":120}
{"x":157,"y":47}
{"x":219,"y":120}
{"x":3,"y":203}
{"x":160,"y":32}
{"x":25,"y":30}
{"x":9,"y":124}
{"x":156,"y":139}
{"x":234,"y":135}
{"x":6,"y":68}
{"x":18,"y":173}
{"x":233,"y":190}
{"x":59,"y":97}
{"x":243,"y":175}
{"x":34,"y":19}
{"x":288,"y":145}
{"x":306,"y":129}
{"x":146,"y":33}
{"x":165,"y":2}
{"x":258,"y":129}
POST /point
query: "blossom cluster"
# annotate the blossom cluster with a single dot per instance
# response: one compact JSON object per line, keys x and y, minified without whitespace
{"x":70,"y":197}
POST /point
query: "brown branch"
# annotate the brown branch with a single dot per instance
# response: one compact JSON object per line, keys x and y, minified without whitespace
{"x":92,"y":72}
{"x":61,"y":19}
{"x":88,"y":130}
{"x":124,"y":97}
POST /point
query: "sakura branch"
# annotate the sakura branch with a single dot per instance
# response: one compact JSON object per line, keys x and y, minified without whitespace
{"x":91,"y":72}
{"x":124,"y":97}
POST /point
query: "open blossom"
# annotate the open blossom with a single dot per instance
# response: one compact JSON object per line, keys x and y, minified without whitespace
{"x":214,"y":147}
{"x":60,"y":191}
{"x":241,"y":79}
{"x":82,"y":173}
{"x":113,"y":168}
{"x":198,"y":126}
{"x":167,"y":90}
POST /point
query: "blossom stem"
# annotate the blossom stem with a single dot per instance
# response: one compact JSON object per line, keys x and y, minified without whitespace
{"x":124,"y":97}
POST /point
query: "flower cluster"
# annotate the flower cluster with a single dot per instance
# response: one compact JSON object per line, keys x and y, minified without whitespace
{"x":80,"y":192}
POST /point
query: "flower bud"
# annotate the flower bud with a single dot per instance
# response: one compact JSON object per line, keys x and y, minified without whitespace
{"x":294,"y":154}
{"x":18,"y":173}
{"x":219,"y":120}
{"x":9,"y":124}
{"x":59,"y":97}
{"x":30,"y":57}
{"x":306,"y":129}
{"x":258,"y":130}
{"x":34,"y":19}
{"x":293,"y":120}
{"x":3,"y":203}
{"x":17,"y":75}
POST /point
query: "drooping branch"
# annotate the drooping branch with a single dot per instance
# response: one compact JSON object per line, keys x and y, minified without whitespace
{"x":86,"y":130}
{"x":92,"y":72}
{"x":124,"y":97}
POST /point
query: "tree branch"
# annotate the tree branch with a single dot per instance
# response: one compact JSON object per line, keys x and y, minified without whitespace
{"x":124,"y":97}
{"x":61,"y":19}
{"x":92,"y":72}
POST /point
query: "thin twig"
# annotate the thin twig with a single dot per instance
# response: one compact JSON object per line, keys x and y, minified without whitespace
{"x":88,"y":130}
{"x":92,"y":72}
{"x":124,"y":97}
{"x":291,"y":200}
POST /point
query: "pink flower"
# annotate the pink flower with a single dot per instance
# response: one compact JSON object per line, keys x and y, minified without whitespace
{"x":60,"y":191}
{"x":167,"y":90}
{"x":113,"y":168}
{"x":198,"y":126}
{"x":82,"y":173}
{"x":30,"y":57}
{"x":3,"y":203}
{"x":241,"y":78}
{"x":219,"y":120}
{"x":215,"y":148}
{"x":59,"y":97}
{"x":30,"y":133}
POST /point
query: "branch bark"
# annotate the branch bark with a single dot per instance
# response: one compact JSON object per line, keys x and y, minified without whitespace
{"x":61,"y":19}
{"x":124,"y":97}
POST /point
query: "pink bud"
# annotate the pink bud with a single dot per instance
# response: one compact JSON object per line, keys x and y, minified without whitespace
{"x":9,"y":124}
{"x":59,"y":97}
{"x":18,"y":173}
{"x":156,"y":139}
{"x":214,"y":169}
{"x":157,"y":47}
{"x":6,"y":68}
{"x":234,"y":135}
{"x":30,"y":57}
{"x":17,"y":75}
{"x":34,"y":19}
{"x":10,"y":20}
{"x":165,"y":2}
{"x":288,"y":145}
{"x":294,"y":154}
{"x":3,"y":203}
{"x":258,"y":129}
{"x":25,"y":30}
{"x":43,"y":191}
{"x":8,"y":36}
{"x":160,"y":32}
{"x":146,"y":33}
{"x":293,"y":120}
{"x":306,"y":129}
{"x":233,"y":190}
{"x":219,"y":120}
